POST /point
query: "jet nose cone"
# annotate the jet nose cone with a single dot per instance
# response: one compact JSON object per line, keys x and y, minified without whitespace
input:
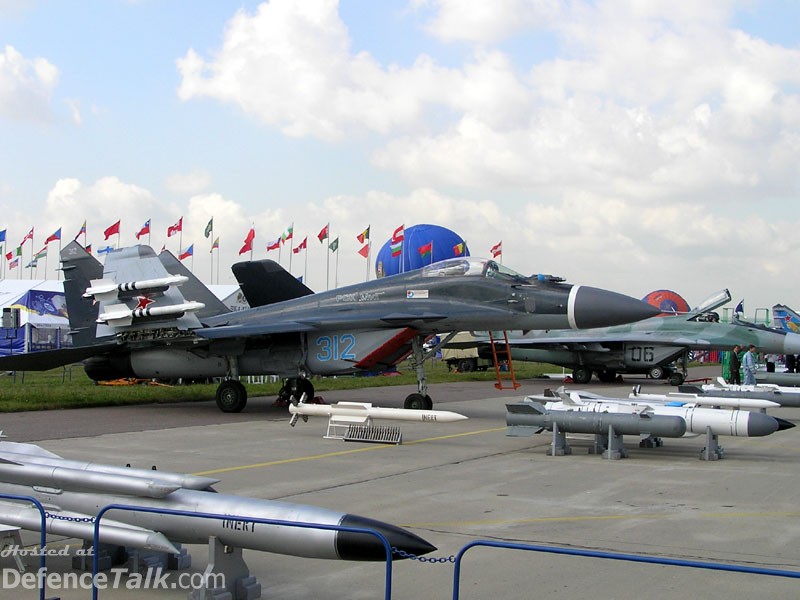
{"x":593,"y":307}
{"x":363,"y":546}
{"x":759,"y":424}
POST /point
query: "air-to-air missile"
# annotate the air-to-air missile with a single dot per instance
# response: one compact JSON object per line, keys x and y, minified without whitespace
{"x":700,"y":399}
{"x":119,"y":315}
{"x":365,"y":410}
{"x":73,"y":492}
{"x":784,"y":396}
{"x":699,"y":419}
{"x":108,"y":289}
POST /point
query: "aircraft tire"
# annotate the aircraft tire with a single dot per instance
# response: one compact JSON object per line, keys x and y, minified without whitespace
{"x":656,"y":372}
{"x":231,"y":396}
{"x":466,"y":365}
{"x":676,"y":379}
{"x":582,"y":375}
{"x":428,"y":403}
{"x":415,"y":402}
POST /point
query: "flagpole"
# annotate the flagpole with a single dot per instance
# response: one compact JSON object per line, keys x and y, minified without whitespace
{"x":305,"y":267}
{"x":217,"y":265}
{"x":336,"y":276}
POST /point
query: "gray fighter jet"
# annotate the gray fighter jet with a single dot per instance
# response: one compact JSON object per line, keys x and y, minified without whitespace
{"x":650,"y":346}
{"x":147,"y":316}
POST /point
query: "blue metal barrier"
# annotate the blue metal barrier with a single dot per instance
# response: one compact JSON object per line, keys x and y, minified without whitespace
{"x":42,"y":535}
{"x":201,"y":515}
{"x":613,"y":556}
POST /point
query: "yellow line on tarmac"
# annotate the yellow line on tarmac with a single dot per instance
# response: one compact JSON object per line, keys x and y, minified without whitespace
{"x":286,"y":461}
{"x":566,"y":519}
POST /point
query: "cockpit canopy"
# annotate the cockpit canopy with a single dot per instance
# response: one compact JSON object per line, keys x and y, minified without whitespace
{"x":480,"y":267}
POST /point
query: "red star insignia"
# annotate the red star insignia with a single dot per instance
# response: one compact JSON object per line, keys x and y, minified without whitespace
{"x":144,"y":302}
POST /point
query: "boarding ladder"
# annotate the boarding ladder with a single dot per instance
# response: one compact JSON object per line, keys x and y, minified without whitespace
{"x":502,"y":381}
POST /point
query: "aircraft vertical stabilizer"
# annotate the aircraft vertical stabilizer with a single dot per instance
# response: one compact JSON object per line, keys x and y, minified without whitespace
{"x":193,"y":288}
{"x":80,"y":269}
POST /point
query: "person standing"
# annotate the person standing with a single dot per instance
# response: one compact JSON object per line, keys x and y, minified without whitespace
{"x":749,"y":365}
{"x":735,"y":363}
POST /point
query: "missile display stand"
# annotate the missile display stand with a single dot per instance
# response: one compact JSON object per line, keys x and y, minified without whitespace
{"x":712,"y":451}
{"x":227,"y":563}
{"x":361,"y":429}
{"x":609,"y":445}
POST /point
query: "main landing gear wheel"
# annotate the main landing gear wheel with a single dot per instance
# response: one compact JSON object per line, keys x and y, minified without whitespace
{"x":418,"y":402}
{"x":656,"y":372}
{"x":582,"y":375}
{"x":676,"y":379}
{"x":231,"y":396}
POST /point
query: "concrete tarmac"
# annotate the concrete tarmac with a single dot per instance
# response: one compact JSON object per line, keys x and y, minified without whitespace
{"x":459,"y":482}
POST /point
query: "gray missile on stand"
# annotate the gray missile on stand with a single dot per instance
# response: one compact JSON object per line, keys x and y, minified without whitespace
{"x":75,"y":492}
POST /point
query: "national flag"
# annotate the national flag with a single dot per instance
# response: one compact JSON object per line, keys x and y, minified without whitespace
{"x":209,"y":228}
{"x":301,"y":246}
{"x":364,"y":235}
{"x":145,"y":230}
{"x":40,"y":254}
{"x":3,"y":235}
{"x":425,"y":250}
{"x":497,"y":249}
{"x":55,"y":236}
{"x":323,"y":235}
{"x":399,"y":234}
{"x":13,"y":264}
{"x":248,"y":242}
{"x":458,"y":249}
{"x":189,"y":252}
{"x":173,"y":229}
{"x":397,"y":247}
{"x":215,"y":245}
{"x":28,"y":236}
{"x":288,"y":234}
{"x":105,"y":250}
{"x":113,"y":230}
{"x":9,"y":255}
{"x":89,"y":248}
{"x":364,"y":251}
{"x":274,"y":245}
{"x":740,"y":307}
{"x":82,"y":231}
{"x":31,"y":265}
{"x":334,"y":245}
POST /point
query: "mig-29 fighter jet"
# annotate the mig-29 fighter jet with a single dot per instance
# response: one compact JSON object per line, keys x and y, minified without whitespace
{"x":143,"y":315}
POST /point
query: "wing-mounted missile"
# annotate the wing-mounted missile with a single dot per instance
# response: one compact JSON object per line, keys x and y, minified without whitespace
{"x":106,"y":290}
{"x":119,"y":315}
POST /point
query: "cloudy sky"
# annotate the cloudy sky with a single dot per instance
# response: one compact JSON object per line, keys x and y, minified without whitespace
{"x":628,"y":144}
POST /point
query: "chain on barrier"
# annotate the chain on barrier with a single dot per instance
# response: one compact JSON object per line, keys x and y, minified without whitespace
{"x":423,"y":559}
{"x":70,"y":519}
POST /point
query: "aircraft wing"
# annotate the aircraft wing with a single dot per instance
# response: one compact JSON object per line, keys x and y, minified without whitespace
{"x":50,"y":359}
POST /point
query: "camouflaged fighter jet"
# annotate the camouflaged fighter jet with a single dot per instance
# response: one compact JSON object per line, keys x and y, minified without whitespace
{"x":143,"y":315}
{"x":648,"y":347}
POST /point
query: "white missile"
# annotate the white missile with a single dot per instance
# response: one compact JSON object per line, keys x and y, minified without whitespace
{"x":365,"y":410}
{"x":108,"y":289}
{"x":683,"y":399}
{"x":119,"y":315}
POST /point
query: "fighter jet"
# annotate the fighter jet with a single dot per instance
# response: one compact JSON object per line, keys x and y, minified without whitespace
{"x":649,"y":346}
{"x":147,"y":316}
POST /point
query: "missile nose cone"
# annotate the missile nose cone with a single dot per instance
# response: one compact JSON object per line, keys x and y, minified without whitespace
{"x":593,"y":307}
{"x":759,"y":424}
{"x":363,"y":546}
{"x":783,"y":424}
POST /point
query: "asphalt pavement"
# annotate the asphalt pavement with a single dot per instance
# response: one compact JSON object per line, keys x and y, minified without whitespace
{"x":456,"y":483}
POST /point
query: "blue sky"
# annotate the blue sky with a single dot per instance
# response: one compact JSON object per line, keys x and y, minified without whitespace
{"x":633,"y":146}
